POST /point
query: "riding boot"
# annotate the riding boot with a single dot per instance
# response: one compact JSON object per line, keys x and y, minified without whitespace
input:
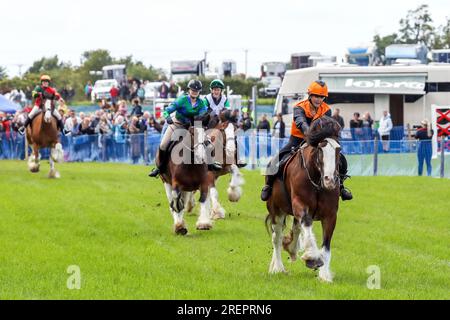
{"x":267,"y":189}
{"x":22,"y":129}
{"x":161,"y":167}
{"x":345,"y":193}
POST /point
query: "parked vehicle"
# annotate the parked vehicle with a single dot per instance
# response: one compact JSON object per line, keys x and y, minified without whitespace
{"x":406,"y":51}
{"x":101,"y":89}
{"x":271,"y":87}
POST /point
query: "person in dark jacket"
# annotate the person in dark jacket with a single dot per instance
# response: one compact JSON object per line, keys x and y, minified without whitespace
{"x":137,"y":109}
{"x":425,"y":148}
{"x":263,"y":125}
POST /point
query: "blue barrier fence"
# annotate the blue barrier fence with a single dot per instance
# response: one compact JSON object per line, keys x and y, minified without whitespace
{"x":400,"y":159}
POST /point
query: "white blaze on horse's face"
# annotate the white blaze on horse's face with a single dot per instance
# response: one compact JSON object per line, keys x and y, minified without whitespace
{"x":330,"y":149}
{"x":48,"y":111}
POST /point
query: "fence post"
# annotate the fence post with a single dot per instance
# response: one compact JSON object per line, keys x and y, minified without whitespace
{"x":146,"y":160}
{"x":442,"y":156}
{"x":375,"y":156}
{"x":26,"y":147}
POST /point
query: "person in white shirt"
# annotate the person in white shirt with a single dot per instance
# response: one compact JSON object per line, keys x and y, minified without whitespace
{"x":385,"y":130}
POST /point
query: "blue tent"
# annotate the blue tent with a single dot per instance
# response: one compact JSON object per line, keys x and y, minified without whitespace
{"x":7,"y":106}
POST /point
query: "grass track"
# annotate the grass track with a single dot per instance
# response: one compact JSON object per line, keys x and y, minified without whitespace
{"x":112,"y":221}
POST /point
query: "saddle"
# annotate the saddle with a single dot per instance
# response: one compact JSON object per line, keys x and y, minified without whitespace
{"x":287,"y":158}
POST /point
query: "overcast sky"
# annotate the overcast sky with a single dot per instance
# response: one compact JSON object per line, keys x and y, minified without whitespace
{"x":157,"y":32}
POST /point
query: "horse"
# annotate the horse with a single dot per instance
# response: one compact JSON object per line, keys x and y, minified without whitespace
{"x":43,"y":133}
{"x":187,"y":172}
{"x":225,"y":152}
{"x":309,"y":191}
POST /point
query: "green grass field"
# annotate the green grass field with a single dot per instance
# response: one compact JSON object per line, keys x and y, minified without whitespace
{"x":112,"y":221}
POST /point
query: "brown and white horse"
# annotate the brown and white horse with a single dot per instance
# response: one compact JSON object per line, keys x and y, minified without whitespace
{"x":43,"y":133}
{"x":309,"y":191}
{"x":187,"y":172}
{"x":225,"y":152}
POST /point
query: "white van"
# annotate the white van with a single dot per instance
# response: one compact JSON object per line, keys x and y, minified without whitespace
{"x":101,"y":89}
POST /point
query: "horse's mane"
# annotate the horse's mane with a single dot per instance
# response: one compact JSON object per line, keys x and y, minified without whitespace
{"x":322,"y":128}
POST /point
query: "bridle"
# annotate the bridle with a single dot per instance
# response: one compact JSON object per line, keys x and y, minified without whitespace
{"x":335,"y":145}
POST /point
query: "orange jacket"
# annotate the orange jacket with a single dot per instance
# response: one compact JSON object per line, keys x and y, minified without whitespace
{"x":303,"y":117}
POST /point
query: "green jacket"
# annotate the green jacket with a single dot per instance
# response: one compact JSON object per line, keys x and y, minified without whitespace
{"x":185,"y":111}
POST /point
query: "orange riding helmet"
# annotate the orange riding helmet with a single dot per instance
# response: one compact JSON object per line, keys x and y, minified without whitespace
{"x":318,"y":88}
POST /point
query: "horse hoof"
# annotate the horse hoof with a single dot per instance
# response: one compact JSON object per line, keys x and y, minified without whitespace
{"x":314,"y":263}
{"x":204,"y":226}
{"x":234,"y":194}
{"x":182,"y":231}
{"x":218,"y":214}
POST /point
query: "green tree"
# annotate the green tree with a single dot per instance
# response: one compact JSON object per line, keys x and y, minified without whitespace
{"x":417,"y":27}
{"x":443,"y":37}
{"x":382,"y":42}
{"x":95,"y":60}
{"x":3,"y":74}
{"x":45,"y":64}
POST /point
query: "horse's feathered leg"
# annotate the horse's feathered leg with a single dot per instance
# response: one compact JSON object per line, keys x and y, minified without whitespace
{"x":276,"y":265}
{"x":312,"y":256}
{"x":204,"y":220}
{"x":292,"y":243}
{"x":328,"y":225}
{"x":172,"y":196}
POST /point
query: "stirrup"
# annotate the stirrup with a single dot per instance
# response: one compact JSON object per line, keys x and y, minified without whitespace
{"x":345,"y":194}
{"x":155,"y":172}
{"x":215,"y":166}
{"x":21,"y":130}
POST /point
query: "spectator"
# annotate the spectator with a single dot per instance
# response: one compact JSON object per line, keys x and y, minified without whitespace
{"x":173,"y":90}
{"x":279,"y":127}
{"x":153,"y":126}
{"x":336,"y":116}
{"x":137,"y":109}
{"x":163,"y":90}
{"x":424,"y":149}
{"x":124,"y":91}
{"x":114,"y":92}
{"x":135,"y":145}
{"x":88,"y":90}
{"x":246,"y":122}
{"x":105,"y":105}
{"x":85,"y":127}
{"x":384,"y":129}
{"x":367,"y":123}
{"x":356,"y":126}
{"x":263,"y":124}
{"x":141,"y":93}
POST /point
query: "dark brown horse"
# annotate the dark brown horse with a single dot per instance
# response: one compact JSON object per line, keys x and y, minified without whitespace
{"x":43,"y":133}
{"x":187,"y":172}
{"x":309,"y":191}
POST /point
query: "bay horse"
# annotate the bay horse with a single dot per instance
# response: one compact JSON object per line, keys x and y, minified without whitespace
{"x":187,"y":171}
{"x":225,"y":152}
{"x":43,"y":133}
{"x":309,"y":191}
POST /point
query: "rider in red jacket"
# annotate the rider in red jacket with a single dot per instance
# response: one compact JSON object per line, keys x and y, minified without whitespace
{"x":41,"y":93}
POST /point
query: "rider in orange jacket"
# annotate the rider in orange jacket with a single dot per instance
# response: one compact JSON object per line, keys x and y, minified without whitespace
{"x":41,"y":93}
{"x":304,"y":113}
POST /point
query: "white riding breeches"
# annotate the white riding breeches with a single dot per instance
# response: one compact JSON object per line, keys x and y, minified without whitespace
{"x":36,"y":110}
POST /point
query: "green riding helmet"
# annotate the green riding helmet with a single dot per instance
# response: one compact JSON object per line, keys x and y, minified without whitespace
{"x":217,"y":83}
